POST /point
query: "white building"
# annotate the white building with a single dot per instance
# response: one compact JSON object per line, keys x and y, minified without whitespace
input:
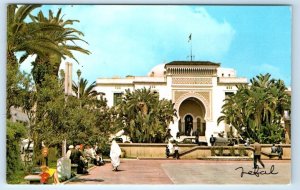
{"x":197,"y":88}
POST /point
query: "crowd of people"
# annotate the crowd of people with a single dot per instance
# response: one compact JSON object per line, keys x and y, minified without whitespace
{"x":83,"y":155}
{"x":277,"y":150}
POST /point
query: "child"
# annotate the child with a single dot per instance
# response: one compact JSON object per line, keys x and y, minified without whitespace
{"x":47,"y":173}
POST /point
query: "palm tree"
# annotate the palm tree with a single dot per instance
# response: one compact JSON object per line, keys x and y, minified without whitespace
{"x":22,"y":36}
{"x":145,"y":117}
{"x":256,"y":111}
{"x":65,"y":39}
{"x":85,"y":91}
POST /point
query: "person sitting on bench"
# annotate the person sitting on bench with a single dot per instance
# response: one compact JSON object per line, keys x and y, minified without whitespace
{"x":46,"y":171}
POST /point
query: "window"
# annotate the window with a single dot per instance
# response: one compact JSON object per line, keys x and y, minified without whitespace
{"x":227,"y":94}
{"x":117,"y":98}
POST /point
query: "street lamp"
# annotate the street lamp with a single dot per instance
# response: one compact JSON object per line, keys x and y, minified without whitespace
{"x":78,"y":90}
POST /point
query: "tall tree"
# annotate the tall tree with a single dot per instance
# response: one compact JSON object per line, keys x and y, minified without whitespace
{"x":65,"y":39}
{"x":144,"y":117}
{"x":256,"y":111}
{"x":23,"y":37}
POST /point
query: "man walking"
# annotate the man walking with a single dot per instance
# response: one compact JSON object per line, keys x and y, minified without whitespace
{"x":280,"y":152}
{"x":212,"y":140}
{"x":257,"y":154}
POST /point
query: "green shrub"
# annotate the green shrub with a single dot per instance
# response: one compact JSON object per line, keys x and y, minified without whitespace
{"x":242,"y":151}
{"x":212,"y":151}
{"x":14,"y":133}
{"x":105,"y":149}
{"x":232,"y":151}
{"x":221,"y":150}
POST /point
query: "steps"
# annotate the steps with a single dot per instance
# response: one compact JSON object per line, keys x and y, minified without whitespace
{"x":227,"y":158}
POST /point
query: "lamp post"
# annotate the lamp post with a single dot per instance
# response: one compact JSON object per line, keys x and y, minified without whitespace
{"x":78,"y":87}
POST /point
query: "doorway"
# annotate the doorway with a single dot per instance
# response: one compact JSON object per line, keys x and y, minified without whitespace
{"x":188,"y":125}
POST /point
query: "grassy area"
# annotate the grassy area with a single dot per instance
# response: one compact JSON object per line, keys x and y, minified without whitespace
{"x":18,"y":178}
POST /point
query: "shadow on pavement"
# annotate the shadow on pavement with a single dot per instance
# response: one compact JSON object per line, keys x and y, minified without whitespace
{"x":87,"y":179}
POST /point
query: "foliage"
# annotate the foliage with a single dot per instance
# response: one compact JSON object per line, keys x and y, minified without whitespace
{"x":26,"y":37}
{"x":256,"y":111}
{"x":232,"y":151}
{"x":144,"y":117}
{"x":87,"y":93}
{"x":18,"y":84}
{"x":65,"y":38}
{"x":213,"y":151}
{"x":15,"y":131}
{"x":242,"y":151}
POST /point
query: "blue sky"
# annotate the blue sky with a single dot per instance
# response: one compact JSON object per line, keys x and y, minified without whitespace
{"x":130,"y":39}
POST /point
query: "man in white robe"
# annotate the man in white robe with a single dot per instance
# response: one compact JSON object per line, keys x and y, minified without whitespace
{"x":115,"y":152}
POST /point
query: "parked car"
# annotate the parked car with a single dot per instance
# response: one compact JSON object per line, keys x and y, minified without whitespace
{"x":223,"y":141}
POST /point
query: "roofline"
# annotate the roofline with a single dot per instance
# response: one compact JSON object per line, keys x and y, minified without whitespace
{"x":193,"y":63}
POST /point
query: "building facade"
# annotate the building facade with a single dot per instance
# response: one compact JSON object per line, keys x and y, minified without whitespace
{"x":197,"y":88}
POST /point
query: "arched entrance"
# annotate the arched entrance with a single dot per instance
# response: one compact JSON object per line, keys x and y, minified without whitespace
{"x":192,"y":117}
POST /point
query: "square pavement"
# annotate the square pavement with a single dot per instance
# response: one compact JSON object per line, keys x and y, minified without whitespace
{"x":171,"y":171}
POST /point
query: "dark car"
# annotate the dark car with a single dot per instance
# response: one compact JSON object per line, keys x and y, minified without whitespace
{"x":222,"y":141}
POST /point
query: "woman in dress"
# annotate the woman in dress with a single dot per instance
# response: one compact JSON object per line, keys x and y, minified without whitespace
{"x":115,"y":152}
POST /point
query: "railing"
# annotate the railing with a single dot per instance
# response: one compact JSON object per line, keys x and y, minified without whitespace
{"x":232,"y":80}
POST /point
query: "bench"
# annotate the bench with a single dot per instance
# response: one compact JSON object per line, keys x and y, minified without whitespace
{"x":74,"y":166}
{"x":33,"y":178}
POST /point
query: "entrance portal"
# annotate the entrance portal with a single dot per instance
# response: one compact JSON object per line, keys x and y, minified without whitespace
{"x":192,"y":117}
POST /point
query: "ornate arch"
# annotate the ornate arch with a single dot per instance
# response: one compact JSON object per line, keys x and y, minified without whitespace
{"x":198,"y":96}
{"x":188,"y":114}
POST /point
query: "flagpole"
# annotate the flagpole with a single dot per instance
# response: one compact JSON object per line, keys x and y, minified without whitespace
{"x":190,"y":40}
{"x":191,"y":50}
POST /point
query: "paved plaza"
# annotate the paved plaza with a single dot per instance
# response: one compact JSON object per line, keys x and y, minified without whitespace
{"x":168,"y":171}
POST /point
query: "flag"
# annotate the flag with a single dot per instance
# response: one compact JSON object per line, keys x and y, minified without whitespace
{"x":190,"y":37}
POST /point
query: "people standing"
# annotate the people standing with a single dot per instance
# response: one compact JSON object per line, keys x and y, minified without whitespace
{"x":247,"y":143}
{"x":212,"y":140}
{"x":176,"y":151}
{"x":197,"y":137}
{"x":280,"y":152}
{"x":69,"y":152}
{"x":273,"y":149}
{"x":167,"y":151}
{"x":115,"y":152}
{"x":257,"y":155}
{"x":75,"y":155}
{"x":170,"y":147}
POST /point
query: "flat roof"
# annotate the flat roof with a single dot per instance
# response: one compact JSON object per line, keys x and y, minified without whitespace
{"x":193,"y":63}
